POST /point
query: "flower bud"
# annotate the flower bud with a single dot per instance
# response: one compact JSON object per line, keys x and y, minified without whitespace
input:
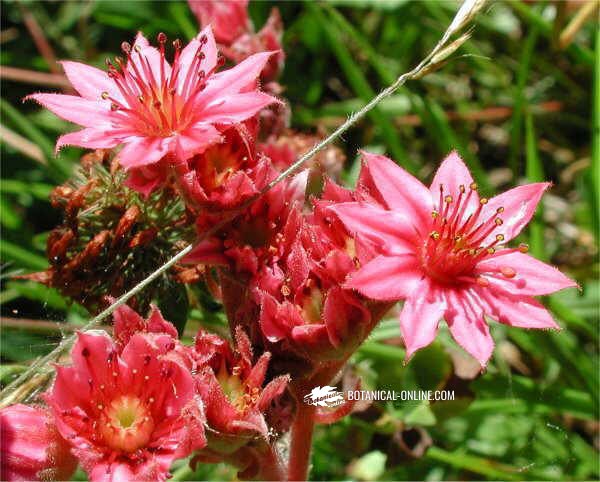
{"x":31,"y":447}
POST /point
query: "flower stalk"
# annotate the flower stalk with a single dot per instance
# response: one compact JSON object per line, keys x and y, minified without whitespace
{"x":301,"y":440}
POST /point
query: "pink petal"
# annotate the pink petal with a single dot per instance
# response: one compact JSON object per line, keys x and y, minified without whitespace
{"x":530,"y":276}
{"x":89,"y":355}
{"x":278,"y":320}
{"x":297,"y":266}
{"x":451,"y":175}
{"x":387,"y":278}
{"x":88,"y":113}
{"x":157,"y":324}
{"x":420,"y":318}
{"x":195,"y":140}
{"x":235,"y":189}
{"x":207,"y":251}
{"x":126,"y":322}
{"x":147,"y":57}
{"x":345,"y":317}
{"x":174,"y":390}
{"x":236,"y":108}
{"x":89,"y":81}
{"x":142,"y":151}
{"x":88,"y":137}
{"x":273,"y":389}
{"x":522,"y":312}
{"x":219,"y":411}
{"x":387,"y":229}
{"x":518,"y":206}
{"x":111,"y":472}
{"x":258,"y":372}
{"x":400,"y":190}
{"x":229,"y":19}
{"x":465,"y":318}
{"x":236,"y":79}
{"x":189,"y":52}
{"x":68,"y":391}
{"x":146,"y":178}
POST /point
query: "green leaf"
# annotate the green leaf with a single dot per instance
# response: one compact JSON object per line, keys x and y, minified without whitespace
{"x":9,"y":218}
{"x":535,"y":173}
{"x":378,"y":350}
{"x":37,"y":189}
{"x":49,"y":297}
{"x":9,"y":372}
{"x":369,"y":467}
{"x":478,"y":465}
{"x":593,"y":175}
{"x":520,"y":101}
{"x":57,"y":169}
{"x":361,"y":87}
{"x":22,"y":256}
{"x":558,"y":399}
{"x":421,"y":415}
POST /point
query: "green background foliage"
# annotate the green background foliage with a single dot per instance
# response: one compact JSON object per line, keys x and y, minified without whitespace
{"x":515,"y":104}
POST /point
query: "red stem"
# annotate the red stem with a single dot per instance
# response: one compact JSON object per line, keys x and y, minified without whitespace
{"x":302,"y":432}
{"x":304,"y":422}
{"x":271,"y":468}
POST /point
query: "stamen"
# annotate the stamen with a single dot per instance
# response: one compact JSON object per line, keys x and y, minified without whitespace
{"x":481,"y":281}
{"x":523,"y":248}
{"x":508,"y":272}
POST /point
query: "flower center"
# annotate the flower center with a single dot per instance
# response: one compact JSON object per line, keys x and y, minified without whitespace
{"x":127,"y":424}
{"x":235,"y":389}
{"x":457,"y":241}
{"x":158,"y":100}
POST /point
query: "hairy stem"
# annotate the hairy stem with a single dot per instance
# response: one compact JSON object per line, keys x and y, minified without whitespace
{"x":271,"y":467}
{"x":301,"y":439}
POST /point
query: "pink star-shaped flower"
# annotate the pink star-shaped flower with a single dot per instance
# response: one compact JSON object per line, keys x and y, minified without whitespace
{"x":441,"y":250}
{"x":155,"y":108}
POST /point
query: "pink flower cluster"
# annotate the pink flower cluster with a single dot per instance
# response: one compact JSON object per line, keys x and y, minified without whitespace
{"x":128,"y":406}
{"x":304,"y":273}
